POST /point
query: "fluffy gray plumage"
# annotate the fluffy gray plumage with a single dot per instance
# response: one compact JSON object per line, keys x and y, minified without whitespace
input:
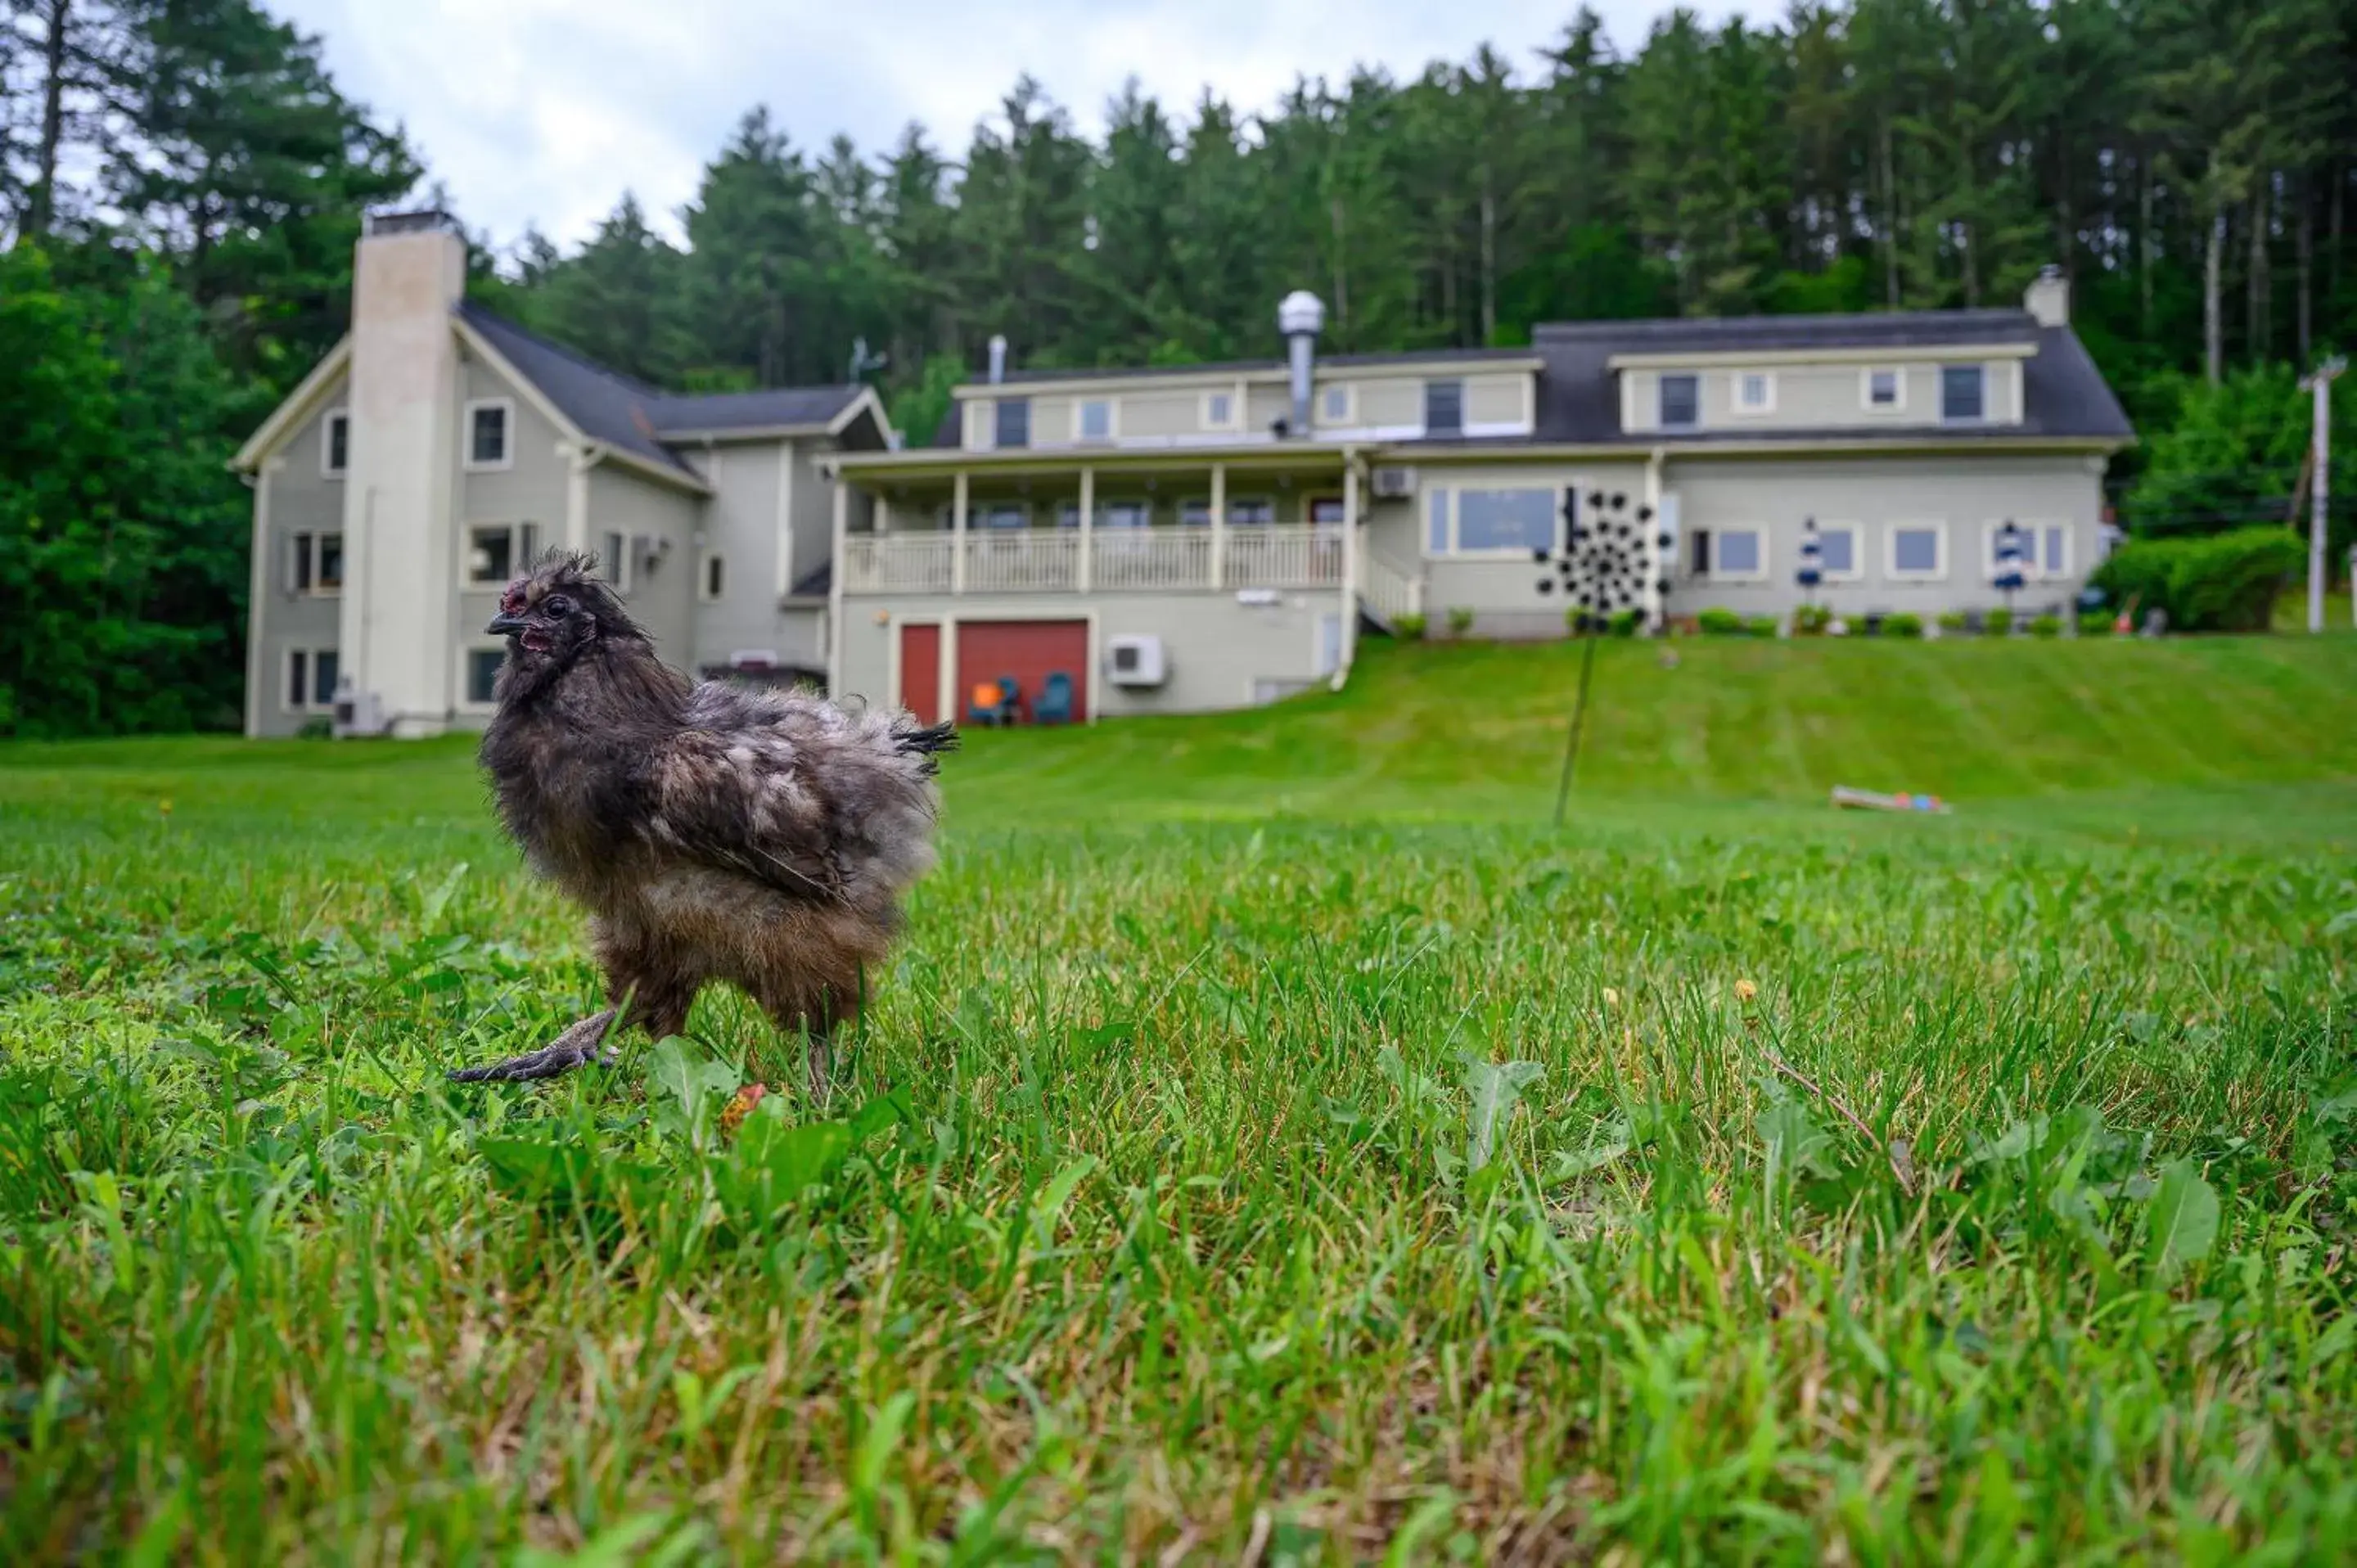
{"x":713,"y":832}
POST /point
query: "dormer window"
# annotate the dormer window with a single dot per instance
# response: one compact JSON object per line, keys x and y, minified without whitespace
{"x":1334,"y":407}
{"x":1964,"y":392}
{"x":1681,"y":401}
{"x":1885,"y":390}
{"x":1093,"y":419}
{"x":1755,"y":392}
{"x":1443,"y":408}
{"x":1014,"y":422}
{"x":1219,"y":411}
{"x":489,"y":441}
{"x":336,"y":444}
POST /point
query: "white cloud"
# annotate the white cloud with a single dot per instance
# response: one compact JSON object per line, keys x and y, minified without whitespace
{"x":545,"y":110}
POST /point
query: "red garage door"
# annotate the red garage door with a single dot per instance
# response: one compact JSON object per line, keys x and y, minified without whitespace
{"x":920,"y":673}
{"x":1030,"y":650}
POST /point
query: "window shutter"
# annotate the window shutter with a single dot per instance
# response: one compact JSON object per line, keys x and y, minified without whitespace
{"x":1701,"y":537}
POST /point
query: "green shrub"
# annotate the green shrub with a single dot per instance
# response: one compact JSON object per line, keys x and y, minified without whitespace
{"x":2000,"y":623}
{"x":1409,"y":627}
{"x":2096,"y":623}
{"x":1716,"y":622}
{"x":2220,"y":582}
{"x":1954,"y":623}
{"x":1903,"y":624}
{"x":1460,"y":619}
{"x":1760,"y":626}
{"x":320,"y":728}
{"x":1624,"y":623}
{"x":1811,"y":620}
{"x":2046,"y":626}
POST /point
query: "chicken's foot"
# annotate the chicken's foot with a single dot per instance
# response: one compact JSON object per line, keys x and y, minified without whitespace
{"x":577,"y":1047}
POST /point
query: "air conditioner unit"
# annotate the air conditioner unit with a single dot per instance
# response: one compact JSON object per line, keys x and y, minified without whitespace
{"x":357,"y":714}
{"x":1394,"y":484}
{"x":1136,"y":660}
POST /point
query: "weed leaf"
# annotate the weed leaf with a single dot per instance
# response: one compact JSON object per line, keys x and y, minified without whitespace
{"x":2184,"y":1218}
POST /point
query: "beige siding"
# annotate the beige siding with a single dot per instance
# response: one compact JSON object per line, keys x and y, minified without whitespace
{"x":1497,"y":400}
{"x":1263,"y":406}
{"x":1051,"y":422}
{"x":1501,"y":591}
{"x":301,"y":500}
{"x":981,"y":425}
{"x":1963,"y":496}
{"x":1819,"y":397}
{"x":532,"y":489}
{"x":1148,"y":415}
{"x":1390,"y":403}
{"x":740,"y":524}
{"x":1217,"y":647}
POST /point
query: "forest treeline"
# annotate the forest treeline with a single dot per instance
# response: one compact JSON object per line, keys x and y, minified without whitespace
{"x":181,"y":183}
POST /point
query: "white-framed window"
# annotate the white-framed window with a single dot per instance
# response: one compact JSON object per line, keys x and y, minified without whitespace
{"x":1841,"y":557}
{"x":2045,"y":548}
{"x":1493,"y":521}
{"x":480,"y":669}
{"x":310,"y":682}
{"x":1680,"y":398}
{"x":1964,"y":393}
{"x":999,"y":516}
{"x":1251,"y":511}
{"x":488,"y":432}
{"x":1195,"y":511}
{"x":336,"y":443}
{"x":614,"y":560}
{"x":1915,"y":552}
{"x":1219,"y":411}
{"x":1336,"y":404}
{"x":1731,"y":555}
{"x":1752,"y":392}
{"x":715,"y":578}
{"x":1012,"y":423}
{"x":1443,"y":408}
{"x":1093,"y":419}
{"x":314,"y":562}
{"x":1125,"y":515}
{"x":1882,"y":389}
{"x":497,"y":554}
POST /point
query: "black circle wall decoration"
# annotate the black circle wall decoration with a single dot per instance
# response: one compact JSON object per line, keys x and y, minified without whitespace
{"x":1605,"y":565}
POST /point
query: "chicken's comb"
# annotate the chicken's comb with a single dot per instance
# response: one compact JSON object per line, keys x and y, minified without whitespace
{"x":512,"y":601}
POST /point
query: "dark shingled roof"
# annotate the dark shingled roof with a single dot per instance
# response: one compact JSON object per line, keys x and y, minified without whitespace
{"x":776,"y":408}
{"x":2063,"y":394}
{"x":633,"y":416}
{"x":1249,"y":367}
{"x":1579,"y":401}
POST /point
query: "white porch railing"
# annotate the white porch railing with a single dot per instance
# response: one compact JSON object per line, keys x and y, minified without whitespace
{"x":897,"y":563}
{"x":1022,"y":560}
{"x":1389,"y":592}
{"x":1284,"y":555}
{"x":1025,"y":561}
{"x":1150,"y":558}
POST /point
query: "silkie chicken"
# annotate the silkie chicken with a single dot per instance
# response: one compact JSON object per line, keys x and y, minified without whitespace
{"x":712,"y":832}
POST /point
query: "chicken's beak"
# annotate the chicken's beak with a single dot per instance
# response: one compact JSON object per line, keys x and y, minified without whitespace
{"x":504,"y":625}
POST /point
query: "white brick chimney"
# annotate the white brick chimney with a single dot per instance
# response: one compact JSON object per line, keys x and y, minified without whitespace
{"x":2048,"y":299}
{"x":398,"y":636}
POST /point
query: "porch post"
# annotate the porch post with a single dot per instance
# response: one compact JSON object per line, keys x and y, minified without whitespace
{"x":1087,"y":527}
{"x":957,"y":533}
{"x":1350,"y":569}
{"x":841,"y":483}
{"x":1220,"y":524}
{"x":881,"y":509}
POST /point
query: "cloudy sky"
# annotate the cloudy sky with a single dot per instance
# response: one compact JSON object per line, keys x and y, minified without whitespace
{"x":545,"y":110}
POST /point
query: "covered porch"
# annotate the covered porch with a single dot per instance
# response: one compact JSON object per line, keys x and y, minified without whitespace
{"x":961,"y":523}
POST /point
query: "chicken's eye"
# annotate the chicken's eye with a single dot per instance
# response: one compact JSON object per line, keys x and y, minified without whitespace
{"x":559,"y":606}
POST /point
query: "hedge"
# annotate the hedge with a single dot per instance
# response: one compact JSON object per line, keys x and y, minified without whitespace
{"x":2220,"y":582}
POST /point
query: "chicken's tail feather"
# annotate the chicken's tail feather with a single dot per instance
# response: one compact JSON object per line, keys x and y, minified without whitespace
{"x":927,"y":741}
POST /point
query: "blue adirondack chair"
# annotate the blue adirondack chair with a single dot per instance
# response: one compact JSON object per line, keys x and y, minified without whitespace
{"x":1002,"y":711}
{"x":1055,"y":704}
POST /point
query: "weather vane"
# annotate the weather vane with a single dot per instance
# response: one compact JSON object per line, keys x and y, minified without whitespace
{"x":1613,"y":560}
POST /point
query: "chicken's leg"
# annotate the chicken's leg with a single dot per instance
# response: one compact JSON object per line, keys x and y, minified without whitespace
{"x":575,"y":1047}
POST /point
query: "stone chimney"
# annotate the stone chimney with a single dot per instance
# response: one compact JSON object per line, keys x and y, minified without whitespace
{"x":398,"y":633}
{"x":2048,"y":299}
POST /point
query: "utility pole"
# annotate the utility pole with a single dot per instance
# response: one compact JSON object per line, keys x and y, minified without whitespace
{"x":2319,"y":498}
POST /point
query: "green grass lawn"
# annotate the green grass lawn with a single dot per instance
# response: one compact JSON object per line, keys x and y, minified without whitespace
{"x":1274,"y":1143}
